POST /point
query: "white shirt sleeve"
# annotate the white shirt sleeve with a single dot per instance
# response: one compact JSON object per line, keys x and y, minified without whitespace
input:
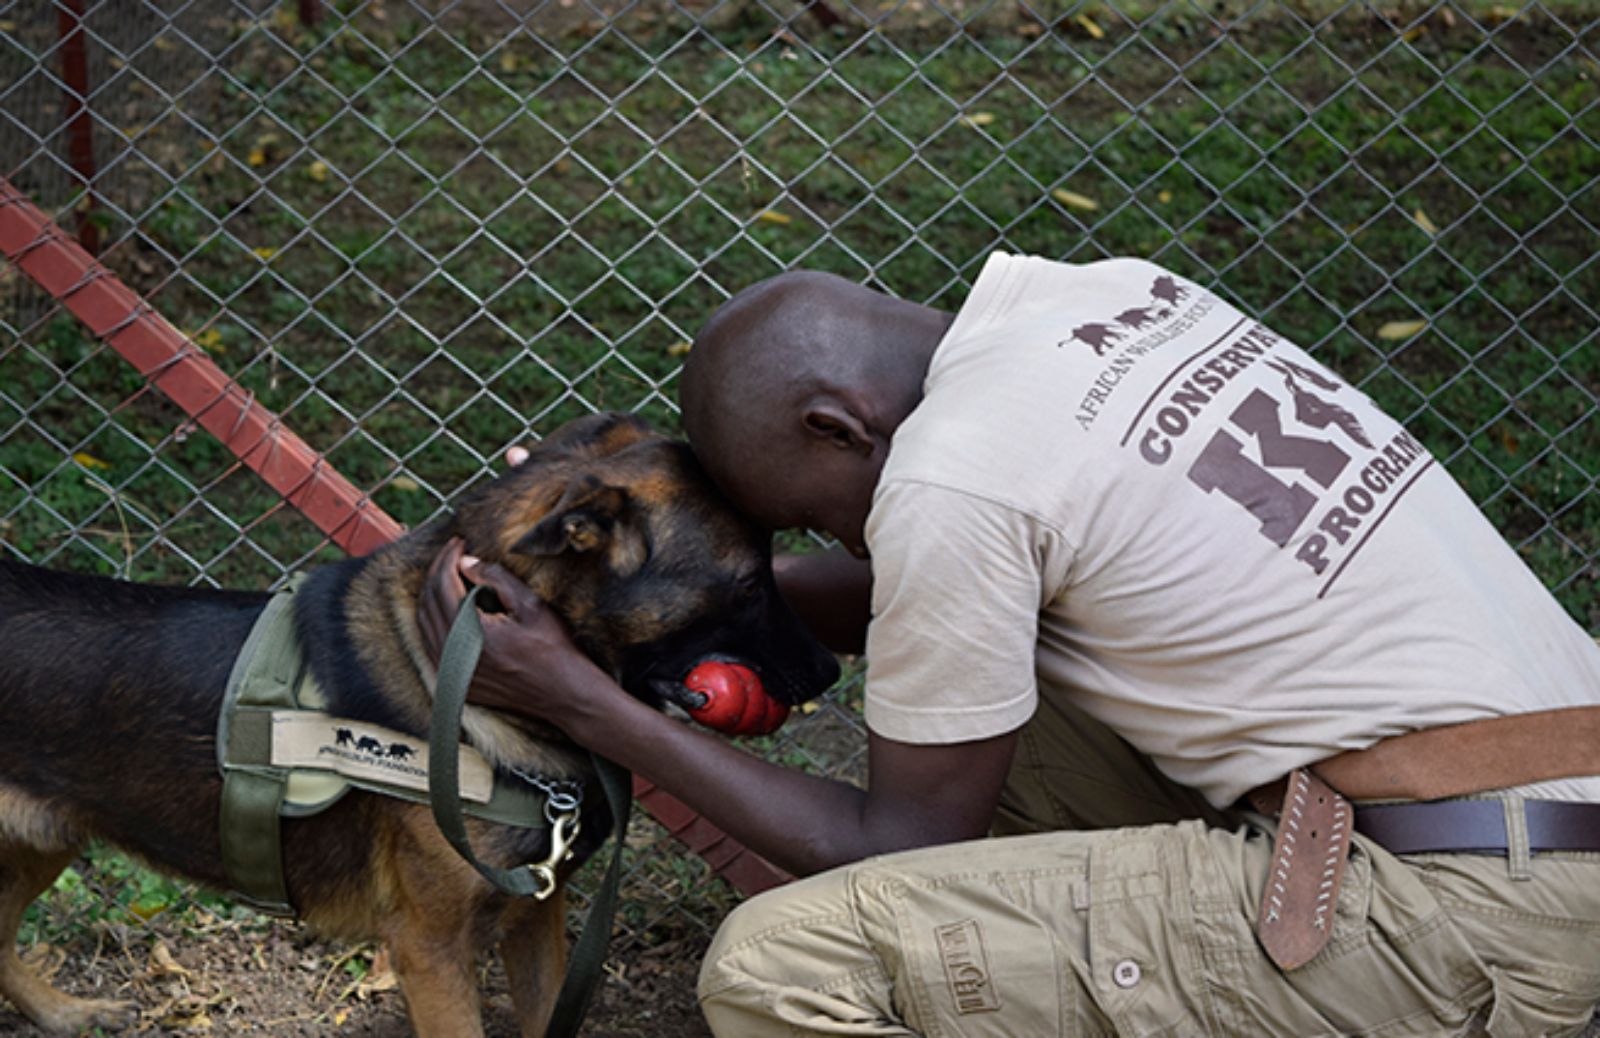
{"x":957,"y":586}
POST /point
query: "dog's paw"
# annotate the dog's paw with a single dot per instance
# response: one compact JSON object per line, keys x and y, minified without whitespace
{"x":74,"y":1016}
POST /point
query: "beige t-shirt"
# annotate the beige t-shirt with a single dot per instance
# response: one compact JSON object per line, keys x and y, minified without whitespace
{"x":1120,"y":489}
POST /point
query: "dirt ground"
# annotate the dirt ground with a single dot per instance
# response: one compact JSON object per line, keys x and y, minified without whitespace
{"x":210,"y":977}
{"x":207,"y":976}
{"x":273,"y":979}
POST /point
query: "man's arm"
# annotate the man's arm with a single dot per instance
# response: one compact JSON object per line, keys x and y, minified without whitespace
{"x":917,"y":795}
{"x":831,"y":592}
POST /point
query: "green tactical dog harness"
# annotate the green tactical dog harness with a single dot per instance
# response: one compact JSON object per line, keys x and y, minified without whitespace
{"x":283,"y":757}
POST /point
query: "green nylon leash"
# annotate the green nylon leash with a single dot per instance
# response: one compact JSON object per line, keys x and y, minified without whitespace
{"x":459,"y":659}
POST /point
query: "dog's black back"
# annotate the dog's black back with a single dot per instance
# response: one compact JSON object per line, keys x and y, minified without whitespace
{"x":124,"y":682}
{"x":100,"y":676}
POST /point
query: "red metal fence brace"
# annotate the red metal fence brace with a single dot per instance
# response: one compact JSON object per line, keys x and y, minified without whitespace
{"x":117,"y":315}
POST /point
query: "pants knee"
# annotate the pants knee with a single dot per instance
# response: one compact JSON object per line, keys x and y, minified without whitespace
{"x":790,"y":961}
{"x":737,"y":929}
{"x":763,"y":936}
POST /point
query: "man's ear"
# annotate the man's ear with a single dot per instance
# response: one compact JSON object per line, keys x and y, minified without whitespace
{"x":827,"y":418}
{"x":581,"y":521}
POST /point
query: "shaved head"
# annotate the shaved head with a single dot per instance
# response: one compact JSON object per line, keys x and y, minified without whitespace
{"x":762,"y":349}
{"x":797,"y":358}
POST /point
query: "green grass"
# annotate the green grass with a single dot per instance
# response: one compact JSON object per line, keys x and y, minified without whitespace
{"x":374,"y":220}
{"x":106,"y":888}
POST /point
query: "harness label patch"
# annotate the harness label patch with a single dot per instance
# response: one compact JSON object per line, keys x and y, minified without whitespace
{"x":368,"y":753}
{"x":966,"y":967}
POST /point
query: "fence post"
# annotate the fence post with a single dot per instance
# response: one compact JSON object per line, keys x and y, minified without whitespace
{"x":79,"y":121}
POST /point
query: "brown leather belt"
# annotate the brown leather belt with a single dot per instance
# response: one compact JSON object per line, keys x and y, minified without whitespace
{"x":1478,"y":826}
{"x":1458,"y":760}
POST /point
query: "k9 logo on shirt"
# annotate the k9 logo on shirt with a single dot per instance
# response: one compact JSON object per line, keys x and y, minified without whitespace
{"x":1294,"y":458}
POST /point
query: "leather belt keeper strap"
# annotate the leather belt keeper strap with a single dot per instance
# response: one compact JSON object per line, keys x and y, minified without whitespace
{"x":1455,"y":760}
{"x":1308,"y":859}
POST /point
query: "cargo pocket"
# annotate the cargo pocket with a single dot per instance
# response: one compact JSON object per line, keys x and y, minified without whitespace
{"x":1393,"y":943}
{"x":1540,"y":938}
{"x":964,"y":958}
{"x":1142,"y":956}
{"x":1531,"y":1005}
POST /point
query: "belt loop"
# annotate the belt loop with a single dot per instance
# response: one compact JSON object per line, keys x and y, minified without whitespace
{"x":1519,"y":860}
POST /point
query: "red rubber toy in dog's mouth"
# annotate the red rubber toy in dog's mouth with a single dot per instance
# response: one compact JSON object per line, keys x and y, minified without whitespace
{"x":730,"y":698}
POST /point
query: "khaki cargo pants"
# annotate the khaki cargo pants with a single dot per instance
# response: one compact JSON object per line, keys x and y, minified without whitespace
{"x":1148,"y":930}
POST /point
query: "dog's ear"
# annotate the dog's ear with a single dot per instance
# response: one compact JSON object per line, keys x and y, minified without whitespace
{"x":598,"y":435}
{"x":582,"y":521}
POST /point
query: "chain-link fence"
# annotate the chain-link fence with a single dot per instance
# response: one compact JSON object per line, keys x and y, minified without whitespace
{"x":422,"y":231}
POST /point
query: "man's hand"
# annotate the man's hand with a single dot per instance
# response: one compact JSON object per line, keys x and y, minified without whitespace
{"x":529,"y":666}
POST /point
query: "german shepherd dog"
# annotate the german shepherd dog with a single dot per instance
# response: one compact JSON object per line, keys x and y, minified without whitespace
{"x":109,"y":695}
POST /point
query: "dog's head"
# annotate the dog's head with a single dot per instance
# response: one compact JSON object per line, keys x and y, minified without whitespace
{"x":619,"y":530}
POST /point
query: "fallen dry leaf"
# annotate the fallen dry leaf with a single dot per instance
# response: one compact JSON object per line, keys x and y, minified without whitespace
{"x":187,"y":1013}
{"x":44,"y":960}
{"x":977,"y":119}
{"x":258,"y":151}
{"x":1401,"y":329}
{"x":209,"y":340}
{"x":162,"y":964}
{"x":1425,"y":223}
{"x":380,"y":977}
{"x":1073,"y":200}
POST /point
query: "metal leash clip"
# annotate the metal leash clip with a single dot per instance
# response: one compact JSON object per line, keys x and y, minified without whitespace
{"x":564,"y":828}
{"x":562,"y":799}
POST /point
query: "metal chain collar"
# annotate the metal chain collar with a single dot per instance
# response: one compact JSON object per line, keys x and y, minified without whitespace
{"x":562,"y":796}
